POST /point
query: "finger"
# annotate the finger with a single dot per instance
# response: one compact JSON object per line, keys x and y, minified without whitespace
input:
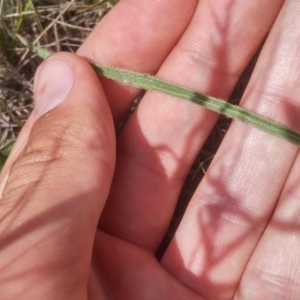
{"x":235,"y":201}
{"x":136,"y":35}
{"x":161,"y":140}
{"x":57,"y":186}
{"x":273,"y":270}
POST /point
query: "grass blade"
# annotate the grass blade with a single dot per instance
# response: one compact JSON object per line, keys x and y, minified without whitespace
{"x":4,"y":153}
{"x":149,"y":82}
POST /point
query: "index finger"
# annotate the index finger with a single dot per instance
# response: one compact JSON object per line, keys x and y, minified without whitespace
{"x":136,"y":35}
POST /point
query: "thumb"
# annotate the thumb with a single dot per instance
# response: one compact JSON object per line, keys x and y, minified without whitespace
{"x":55,"y":184}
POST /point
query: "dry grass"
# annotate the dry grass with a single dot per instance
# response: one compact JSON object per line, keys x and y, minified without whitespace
{"x":60,"y":26}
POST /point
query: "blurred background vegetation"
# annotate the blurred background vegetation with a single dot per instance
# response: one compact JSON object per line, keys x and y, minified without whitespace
{"x":58,"y":25}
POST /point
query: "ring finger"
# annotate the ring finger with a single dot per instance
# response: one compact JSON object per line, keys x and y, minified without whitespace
{"x":233,"y":204}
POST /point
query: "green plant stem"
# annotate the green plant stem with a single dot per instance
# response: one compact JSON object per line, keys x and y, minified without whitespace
{"x":149,"y":82}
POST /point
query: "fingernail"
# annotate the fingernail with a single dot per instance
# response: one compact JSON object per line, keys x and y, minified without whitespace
{"x":53,"y":82}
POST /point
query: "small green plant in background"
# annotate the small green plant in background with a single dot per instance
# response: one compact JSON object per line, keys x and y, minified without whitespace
{"x":4,"y":153}
{"x":113,"y":2}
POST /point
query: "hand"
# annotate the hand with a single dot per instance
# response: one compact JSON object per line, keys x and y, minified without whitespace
{"x":239,"y":238}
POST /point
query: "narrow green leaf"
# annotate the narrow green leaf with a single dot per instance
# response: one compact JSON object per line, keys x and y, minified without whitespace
{"x":7,"y":148}
{"x":41,"y":52}
{"x":2,"y":162}
{"x":113,"y":2}
{"x":149,"y":82}
{"x":4,"y":153}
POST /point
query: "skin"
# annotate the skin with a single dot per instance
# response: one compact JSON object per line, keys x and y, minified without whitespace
{"x":83,"y":217}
